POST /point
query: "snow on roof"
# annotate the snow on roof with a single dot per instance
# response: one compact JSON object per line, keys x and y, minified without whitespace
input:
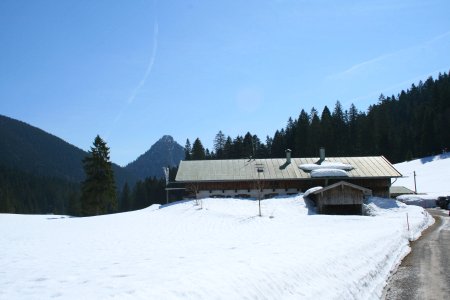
{"x":328,"y":173}
{"x":312,"y":190}
{"x":326,"y":165}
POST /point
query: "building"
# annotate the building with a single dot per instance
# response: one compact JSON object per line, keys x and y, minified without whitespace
{"x":340,"y":198}
{"x":266,"y":178}
{"x":396,"y":191}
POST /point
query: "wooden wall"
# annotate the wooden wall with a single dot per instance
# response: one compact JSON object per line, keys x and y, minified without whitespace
{"x":379,"y":187}
{"x":340,"y":200}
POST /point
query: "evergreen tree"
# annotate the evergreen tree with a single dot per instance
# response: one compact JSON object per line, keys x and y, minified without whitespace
{"x":228,"y":148}
{"x":74,"y":206}
{"x":314,"y":135}
{"x":238,"y":148}
{"x":219,"y":144}
{"x":302,"y":135}
{"x":125,"y":198}
{"x":269,"y":142}
{"x":248,"y":149}
{"x":339,"y":130}
{"x":353,"y":131}
{"x":326,"y":131}
{"x":98,"y":189}
{"x":198,"y":151}
{"x":278,"y":148}
{"x":187,"y":150}
{"x":291,"y":133}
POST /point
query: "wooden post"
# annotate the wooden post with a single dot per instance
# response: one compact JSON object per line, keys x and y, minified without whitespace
{"x":407,"y":221}
{"x":415,"y":186}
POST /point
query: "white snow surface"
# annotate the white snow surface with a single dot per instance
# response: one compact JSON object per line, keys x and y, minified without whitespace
{"x":432,"y":175}
{"x":223,"y":251}
{"x":328,"y":173}
{"x":326,"y":165}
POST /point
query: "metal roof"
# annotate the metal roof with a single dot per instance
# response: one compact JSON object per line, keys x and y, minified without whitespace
{"x":277,"y":169}
{"x":400,"y":190}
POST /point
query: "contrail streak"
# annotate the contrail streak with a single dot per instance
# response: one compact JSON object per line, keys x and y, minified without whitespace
{"x":149,"y":67}
{"x":142,"y":82}
{"x":370,"y":62}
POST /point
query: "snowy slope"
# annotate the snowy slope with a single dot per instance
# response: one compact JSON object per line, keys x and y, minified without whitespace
{"x":223,"y":251}
{"x":433,"y":174}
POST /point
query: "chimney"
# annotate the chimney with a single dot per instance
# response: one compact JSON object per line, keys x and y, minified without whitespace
{"x":322,"y":154}
{"x":288,"y":156}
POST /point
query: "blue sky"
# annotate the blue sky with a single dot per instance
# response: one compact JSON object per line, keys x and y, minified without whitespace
{"x":133,"y":71}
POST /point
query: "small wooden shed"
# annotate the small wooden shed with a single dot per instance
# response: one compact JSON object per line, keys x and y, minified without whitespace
{"x":341,"y":198}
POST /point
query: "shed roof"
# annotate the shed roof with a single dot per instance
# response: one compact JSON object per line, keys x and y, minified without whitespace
{"x":340,"y":183}
{"x":400,"y":190}
{"x":277,"y":169}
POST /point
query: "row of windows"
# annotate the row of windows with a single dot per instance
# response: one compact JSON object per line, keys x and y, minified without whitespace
{"x":248,"y":190}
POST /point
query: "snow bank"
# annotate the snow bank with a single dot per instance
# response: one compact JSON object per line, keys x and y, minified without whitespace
{"x":223,"y":251}
{"x":425,"y":201}
{"x":418,"y":218}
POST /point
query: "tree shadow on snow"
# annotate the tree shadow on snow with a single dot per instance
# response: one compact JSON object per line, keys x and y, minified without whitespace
{"x":429,"y":159}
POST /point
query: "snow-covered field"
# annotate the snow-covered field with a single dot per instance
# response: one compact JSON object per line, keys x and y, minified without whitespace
{"x":223,"y":251}
{"x":432,"y":175}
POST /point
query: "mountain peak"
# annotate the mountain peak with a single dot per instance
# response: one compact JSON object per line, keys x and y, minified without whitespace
{"x":166,"y":139}
{"x":165,"y":152}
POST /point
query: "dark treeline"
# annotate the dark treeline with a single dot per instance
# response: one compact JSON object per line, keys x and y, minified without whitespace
{"x":415,"y":123}
{"x":141,"y":195}
{"x":21,"y":192}
{"x":28,"y":194}
{"x":146,"y":192}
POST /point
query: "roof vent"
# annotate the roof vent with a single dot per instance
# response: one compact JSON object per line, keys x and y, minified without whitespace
{"x":322,"y":155}
{"x":288,"y":156}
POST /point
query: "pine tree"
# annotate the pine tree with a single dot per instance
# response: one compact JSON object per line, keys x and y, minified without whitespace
{"x":187,"y":150}
{"x":327,"y":132}
{"x":74,"y":206}
{"x":301,"y":140}
{"x":98,"y":189}
{"x":228,"y":148}
{"x":248,"y":148}
{"x":219,"y":144}
{"x":339,"y":130}
{"x":198,"y":151}
{"x":125,"y":198}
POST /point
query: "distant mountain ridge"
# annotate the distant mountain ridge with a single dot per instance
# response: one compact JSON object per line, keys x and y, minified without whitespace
{"x":29,"y":149}
{"x":166,"y":152}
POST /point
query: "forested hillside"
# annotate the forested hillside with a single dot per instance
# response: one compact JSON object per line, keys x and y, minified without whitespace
{"x":21,"y":192}
{"x":415,"y":123}
{"x":39,"y":172}
{"x":31,"y":150}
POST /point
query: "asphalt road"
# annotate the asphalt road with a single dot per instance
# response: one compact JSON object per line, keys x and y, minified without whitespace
{"x":425,"y":272}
